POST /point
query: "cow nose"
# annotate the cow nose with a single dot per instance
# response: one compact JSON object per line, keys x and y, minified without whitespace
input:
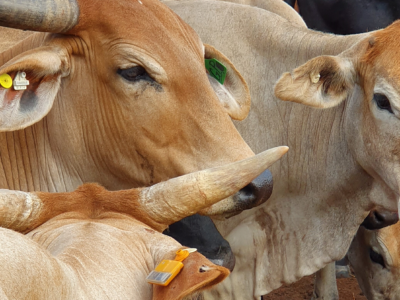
{"x":380,"y":219}
{"x":255,"y":193}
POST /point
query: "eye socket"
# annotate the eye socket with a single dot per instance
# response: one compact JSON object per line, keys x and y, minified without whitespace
{"x":376,"y":258}
{"x":383,"y":102}
{"x":135,"y":74}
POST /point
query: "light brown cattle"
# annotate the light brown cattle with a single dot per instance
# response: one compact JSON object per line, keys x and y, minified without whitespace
{"x":98,"y":244}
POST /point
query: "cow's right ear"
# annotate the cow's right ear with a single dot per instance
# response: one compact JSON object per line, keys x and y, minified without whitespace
{"x":44,"y":68}
{"x":197,"y":274}
{"x":234,"y":93}
{"x":322,"y":82}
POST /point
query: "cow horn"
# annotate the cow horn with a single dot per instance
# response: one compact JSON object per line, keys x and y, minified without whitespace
{"x":39,"y":15}
{"x":170,"y":201}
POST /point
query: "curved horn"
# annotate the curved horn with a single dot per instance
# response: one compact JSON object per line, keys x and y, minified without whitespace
{"x":170,"y":201}
{"x":39,"y":15}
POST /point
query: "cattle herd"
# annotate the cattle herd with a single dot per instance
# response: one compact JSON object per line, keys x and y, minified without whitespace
{"x":113,"y":132}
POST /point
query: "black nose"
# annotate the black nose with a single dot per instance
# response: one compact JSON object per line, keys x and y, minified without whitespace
{"x":200,"y":232}
{"x":380,"y":219}
{"x":255,"y":193}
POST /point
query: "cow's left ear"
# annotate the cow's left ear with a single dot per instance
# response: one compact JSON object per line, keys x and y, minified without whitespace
{"x":322,"y":82}
{"x":197,"y":274}
{"x":43,"y":68}
{"x":234,"y":93}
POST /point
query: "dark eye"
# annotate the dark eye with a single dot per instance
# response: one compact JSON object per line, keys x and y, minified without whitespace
{"x":376,"y":258}
{"x":135,"y":74}
{"x":383,"y":102}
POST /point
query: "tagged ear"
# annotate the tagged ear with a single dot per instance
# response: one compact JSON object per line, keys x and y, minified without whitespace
{"x":234,"y":93}
{"x":44,"y":68}
{"x":197,"y":274}
{"x":322,"y":82}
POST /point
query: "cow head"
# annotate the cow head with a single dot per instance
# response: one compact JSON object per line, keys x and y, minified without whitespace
{"x":375,"y":258}
{"x":365,"y":80}
{"x":122,"y":94}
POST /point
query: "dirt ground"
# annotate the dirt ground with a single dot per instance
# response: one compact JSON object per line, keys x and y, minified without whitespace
{"x":302,"y":290}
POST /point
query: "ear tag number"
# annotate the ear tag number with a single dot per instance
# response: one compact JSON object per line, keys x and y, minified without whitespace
{"x":20,"y":82}
{"x":216,"y":69}
{"x":6,"y":81}
{"x":168,"y":269}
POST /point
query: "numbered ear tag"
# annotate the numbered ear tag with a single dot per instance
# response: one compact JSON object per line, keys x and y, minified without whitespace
{"x":20,"y":82}
{"x":167,"y":270}
{"x":6,"y":81}
{"x":216,"y":69}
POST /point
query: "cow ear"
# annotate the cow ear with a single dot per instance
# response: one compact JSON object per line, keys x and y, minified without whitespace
{"x":197,"y":274}
{"x":44,"y":68}
{"x":322,"y":82}
{"x":234,"y":93}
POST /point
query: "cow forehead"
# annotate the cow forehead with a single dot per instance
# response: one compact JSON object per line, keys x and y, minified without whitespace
{"x":149,"y":23}
{"x":384,"y":53}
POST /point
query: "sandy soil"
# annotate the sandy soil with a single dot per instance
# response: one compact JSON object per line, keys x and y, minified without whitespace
{"x":302,"y":290}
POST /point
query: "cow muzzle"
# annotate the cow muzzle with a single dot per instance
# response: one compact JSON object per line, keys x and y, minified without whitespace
{"x":255,"y":193}
{"x":378,"y":219}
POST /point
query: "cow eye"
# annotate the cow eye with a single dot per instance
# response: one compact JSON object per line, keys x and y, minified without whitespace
{"x":135,"y":74}
{"x":383,"y":102}
{"x":376,"y":258}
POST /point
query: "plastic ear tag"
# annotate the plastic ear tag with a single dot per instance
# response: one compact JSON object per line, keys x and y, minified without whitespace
{"x":20,"y":82}
{"x":167,"y":270}
{"x":6,"y":81}
{"x":216,"y":69}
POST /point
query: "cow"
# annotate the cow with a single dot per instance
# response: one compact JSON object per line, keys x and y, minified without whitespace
{"x":98,"y":244}
{"x":343,"y":160}
{"x":347,"y":17}
{"x":374,"y":257}
{"x":117,"y":95}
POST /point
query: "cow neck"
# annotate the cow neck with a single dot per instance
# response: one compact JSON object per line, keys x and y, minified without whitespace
{"x":320,"y":193}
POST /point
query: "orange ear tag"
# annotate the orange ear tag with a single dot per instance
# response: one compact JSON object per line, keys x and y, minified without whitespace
{"x":6,"y":81}
{"x":169,"y":269}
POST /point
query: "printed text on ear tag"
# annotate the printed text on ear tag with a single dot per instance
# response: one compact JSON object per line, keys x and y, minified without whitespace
{"x":216,"y":69}
{"x":6,"y":81}
{"x":168,"y":269}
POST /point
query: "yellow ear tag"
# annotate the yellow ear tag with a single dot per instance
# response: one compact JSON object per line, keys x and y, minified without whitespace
{"x":6,"y":81}
{"x":168,"y":269}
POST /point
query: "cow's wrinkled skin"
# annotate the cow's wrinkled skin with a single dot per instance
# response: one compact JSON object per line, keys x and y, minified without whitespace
{"x":343,"y":161}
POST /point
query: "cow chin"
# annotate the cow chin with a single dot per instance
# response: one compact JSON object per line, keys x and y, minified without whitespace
{"x":254,"y":194}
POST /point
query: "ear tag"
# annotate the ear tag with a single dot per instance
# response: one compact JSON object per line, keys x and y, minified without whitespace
{"x":6,"y":81}
{"x":216,"y":69}
{"x":168,"y":269}
{"x":20,"y":82}
{"x":315,"y":77}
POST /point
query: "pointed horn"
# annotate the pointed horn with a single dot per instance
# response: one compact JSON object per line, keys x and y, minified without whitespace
{"x":177,"y":198}
{"x":39,"y":15}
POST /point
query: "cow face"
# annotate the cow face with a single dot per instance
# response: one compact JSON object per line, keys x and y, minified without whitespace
{"x":374,"y":256}
{"x":126,"y":97}
{"x":368,"y":77}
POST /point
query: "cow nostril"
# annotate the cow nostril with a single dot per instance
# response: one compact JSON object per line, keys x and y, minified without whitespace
{"x":255,"y":193}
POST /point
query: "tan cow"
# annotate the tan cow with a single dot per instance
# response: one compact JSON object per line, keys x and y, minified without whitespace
{"x":343,"y":160}
{"x":97,"y":244}
{"x":120,"y":97}
{"x":375,"y":258}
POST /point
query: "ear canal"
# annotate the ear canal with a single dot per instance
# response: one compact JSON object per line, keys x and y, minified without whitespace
{"x":234,"y":93}
{"x":170,"y":201}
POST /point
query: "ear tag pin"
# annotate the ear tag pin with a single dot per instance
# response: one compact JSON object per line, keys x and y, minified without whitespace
{"x":168,"y":269}
{"x":20,"y":82}
{"x":216,"y":69}
{"x":6,"y":81}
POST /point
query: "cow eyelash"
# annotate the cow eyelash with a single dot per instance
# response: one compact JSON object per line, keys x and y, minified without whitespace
{"x":135,"y":74}
{"x":376,"y":258}
{"x":383,"y":102}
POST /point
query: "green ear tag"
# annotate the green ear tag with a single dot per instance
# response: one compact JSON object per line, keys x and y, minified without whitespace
{"x":216,"y":69}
